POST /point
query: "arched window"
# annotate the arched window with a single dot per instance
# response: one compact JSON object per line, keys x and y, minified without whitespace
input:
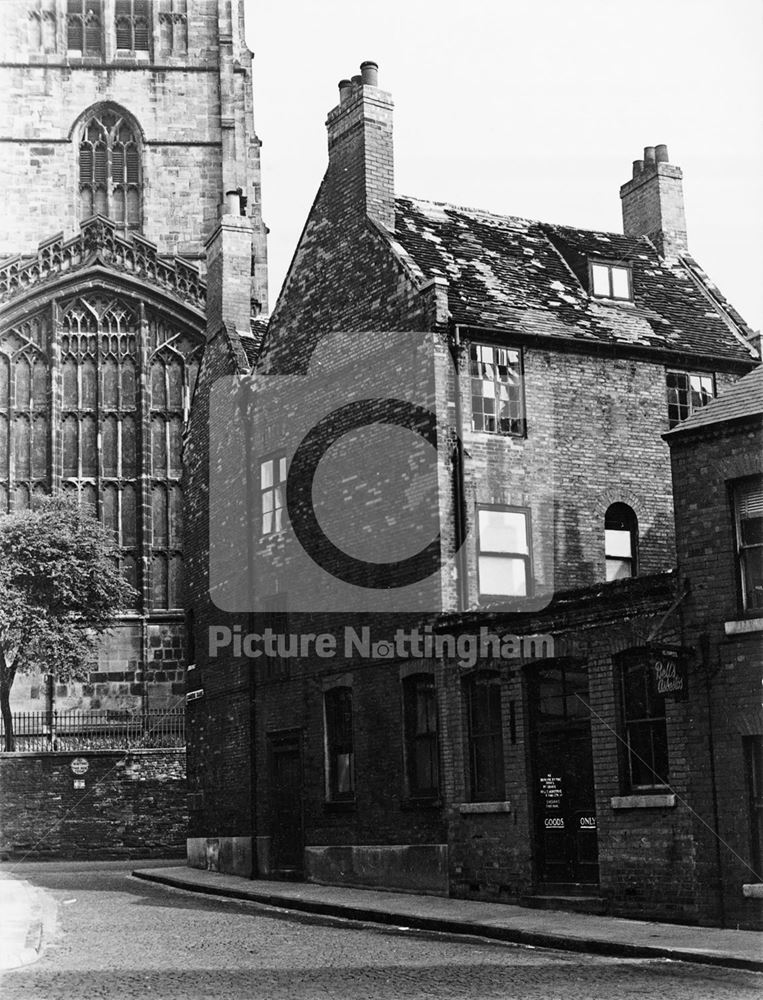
{"x":620,"y":541}
{"x":110,"y":180}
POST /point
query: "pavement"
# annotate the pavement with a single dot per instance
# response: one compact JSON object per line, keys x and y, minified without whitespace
{"x":27,"y":919}
{"x":581,"y":932}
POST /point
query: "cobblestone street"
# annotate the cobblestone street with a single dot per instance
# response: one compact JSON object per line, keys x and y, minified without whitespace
{"x":120,"y":938}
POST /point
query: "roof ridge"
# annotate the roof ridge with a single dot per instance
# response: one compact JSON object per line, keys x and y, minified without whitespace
{"x":518,"y":218}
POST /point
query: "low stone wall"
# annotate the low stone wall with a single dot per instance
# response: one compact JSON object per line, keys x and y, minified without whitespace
{"x":100,"y":803}
{"x":421,"y":868}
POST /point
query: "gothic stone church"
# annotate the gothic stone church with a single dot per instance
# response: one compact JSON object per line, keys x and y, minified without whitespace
{"x":112,"y":199}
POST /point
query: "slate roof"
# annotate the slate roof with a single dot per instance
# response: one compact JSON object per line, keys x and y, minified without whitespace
{"x":518,"y":275}
{"x":742,"y":399}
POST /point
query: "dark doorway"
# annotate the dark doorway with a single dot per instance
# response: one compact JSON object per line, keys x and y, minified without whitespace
{"x":563,"y":789}
{"x":286,"y":805}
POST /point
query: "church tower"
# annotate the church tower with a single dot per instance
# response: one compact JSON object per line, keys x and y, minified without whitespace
{"x":126,"y":134}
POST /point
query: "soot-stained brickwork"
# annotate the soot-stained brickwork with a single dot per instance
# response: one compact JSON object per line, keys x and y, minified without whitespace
{"x":564,"y":769}
{"x":126,"y":804}
{"x":716,"y":456}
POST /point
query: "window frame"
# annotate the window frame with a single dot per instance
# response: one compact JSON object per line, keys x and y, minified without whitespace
{"x":333,"y":745}
{"x":413,"y":740}
{"x":610,"y":264}
{"x":133,"y":17}
{"x":640,"y":656}
{"x":81,"y":15}
{"x":521,"y":402}
{"x":526,"y":557}
{"x":689,"y":375}
{"x":484,"y":787}
{"x":747,"y":607}
{"x":277,"y":457}
{"x":116,"y":153}
{"x":633,"y":532}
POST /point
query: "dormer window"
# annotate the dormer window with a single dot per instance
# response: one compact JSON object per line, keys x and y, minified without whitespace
{"x":611,"y":281}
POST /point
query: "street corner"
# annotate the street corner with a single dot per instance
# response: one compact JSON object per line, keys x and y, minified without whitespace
{"x":27,"y":922}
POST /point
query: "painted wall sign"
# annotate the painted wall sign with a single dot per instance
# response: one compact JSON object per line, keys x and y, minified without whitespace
{"x":79,"y":782}
{"x":669,"y":665}
{"x":551,"y":790}
{"x":587,"y":822}
{"x":554,"y":822}
{"x":80,"y":766}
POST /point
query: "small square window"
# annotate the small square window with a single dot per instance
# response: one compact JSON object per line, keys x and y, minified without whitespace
{"x":611,"y":281}
{"x":687,"y":392}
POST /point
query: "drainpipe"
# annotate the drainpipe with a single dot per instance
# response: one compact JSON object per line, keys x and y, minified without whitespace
{"x":459,"y":490}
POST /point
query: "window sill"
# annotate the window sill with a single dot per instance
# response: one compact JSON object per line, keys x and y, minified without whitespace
{"x":479,"y":808}
{"x":743,"y":626}
{"x":643,"y":801}
{"x":420,"y":802}
{"x":341,"y":807}
{"x":753,"y":891}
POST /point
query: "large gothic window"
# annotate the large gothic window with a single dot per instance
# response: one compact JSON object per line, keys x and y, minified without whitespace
{"x":84,"y":27}
{"x":110,"y":180}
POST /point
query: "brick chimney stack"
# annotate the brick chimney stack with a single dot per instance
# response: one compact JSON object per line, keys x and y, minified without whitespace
{"x":229,"y":271}
{"x":653,"y":202}
{"x":360,"y":148}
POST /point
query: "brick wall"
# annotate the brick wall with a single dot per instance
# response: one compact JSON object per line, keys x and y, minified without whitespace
{"x":218,"y":726}
{"x":726,"y":702}
{"x":133,"y":804}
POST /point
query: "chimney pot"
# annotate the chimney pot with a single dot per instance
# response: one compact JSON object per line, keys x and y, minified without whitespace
{"x":345,"y":86}
{"x":369,"y":72}
{"x":357,"y":80}
{"x":653,"y":202}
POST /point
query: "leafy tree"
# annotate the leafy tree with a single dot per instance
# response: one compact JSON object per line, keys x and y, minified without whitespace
{"x":60,"y":589}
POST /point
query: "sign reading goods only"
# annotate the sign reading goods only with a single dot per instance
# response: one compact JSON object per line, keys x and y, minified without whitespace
{"x":669,"y":665}
{"x":80,"y":766}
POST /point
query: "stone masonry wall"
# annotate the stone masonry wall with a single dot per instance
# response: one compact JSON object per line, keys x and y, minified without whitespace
{"x":132,"y":804}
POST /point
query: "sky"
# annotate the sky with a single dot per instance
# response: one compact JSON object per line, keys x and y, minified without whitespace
{"x":535,"y":109}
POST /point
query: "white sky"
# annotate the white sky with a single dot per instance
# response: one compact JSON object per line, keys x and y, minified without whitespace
{"x":533,"y":108}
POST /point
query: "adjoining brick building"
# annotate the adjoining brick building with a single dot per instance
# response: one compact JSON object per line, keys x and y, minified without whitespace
{"x":553,"y":359}
{"x":717,"y":460}
{"x":123,"y":126}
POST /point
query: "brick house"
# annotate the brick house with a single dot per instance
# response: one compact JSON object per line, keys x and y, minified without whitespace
{"x":553,"y":360}
{"x":717,"y":460}
{"x":111,"y":196}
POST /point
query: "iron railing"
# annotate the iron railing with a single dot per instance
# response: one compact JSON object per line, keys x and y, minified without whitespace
{"x":97,"y":730}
